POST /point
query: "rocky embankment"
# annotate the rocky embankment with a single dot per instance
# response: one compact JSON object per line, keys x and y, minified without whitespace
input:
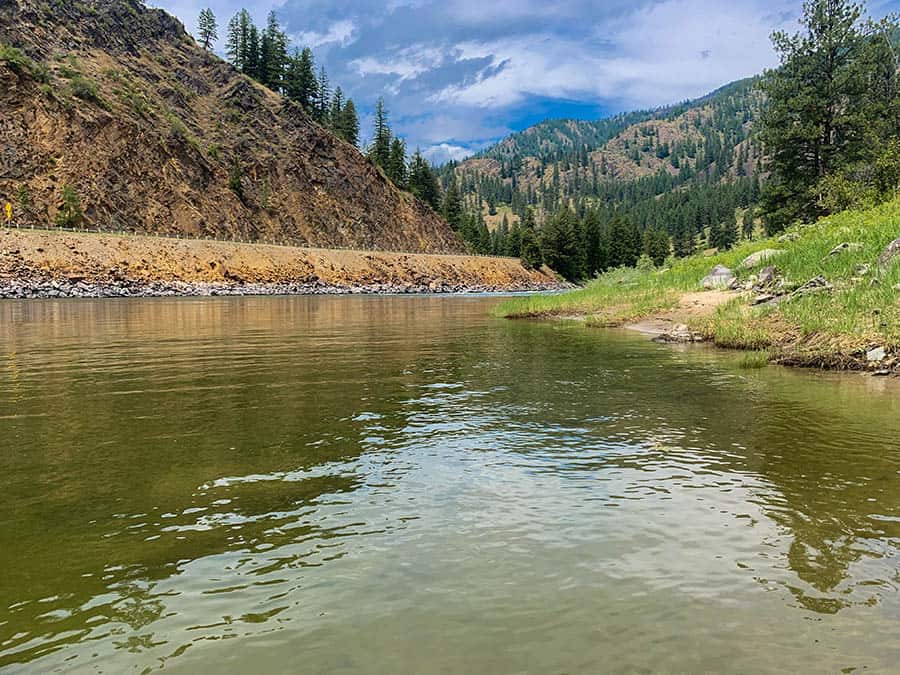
{"x":44,"y":264}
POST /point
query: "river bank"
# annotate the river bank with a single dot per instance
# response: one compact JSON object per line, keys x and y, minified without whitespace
{"x":46,"y":264}
{"x":825,"y":295}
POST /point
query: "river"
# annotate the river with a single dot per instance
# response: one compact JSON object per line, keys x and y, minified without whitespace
{"x":411,"y":485}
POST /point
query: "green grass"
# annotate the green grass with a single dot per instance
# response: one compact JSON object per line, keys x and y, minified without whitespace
{"x":754,"y":360}
{"x":857,"y":313}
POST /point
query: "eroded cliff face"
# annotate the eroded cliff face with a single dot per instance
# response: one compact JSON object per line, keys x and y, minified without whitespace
{"x":155,"y":134}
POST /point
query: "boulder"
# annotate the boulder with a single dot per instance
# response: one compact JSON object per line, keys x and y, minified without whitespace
{"x":890,"y":254}
{"x":760,"y":257}
{"x":876,"y":355}
{"x":720,"y":277}
{"x":767,"y":277}
{"x":814,"y":285}
{"x":844,"y":247}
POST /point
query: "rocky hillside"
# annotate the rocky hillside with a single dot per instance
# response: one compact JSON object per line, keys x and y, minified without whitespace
{"x":112,"y":109}
{"x":627,"y":162}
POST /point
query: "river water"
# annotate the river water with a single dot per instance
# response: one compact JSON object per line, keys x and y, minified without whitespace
{"x":410,"y":485}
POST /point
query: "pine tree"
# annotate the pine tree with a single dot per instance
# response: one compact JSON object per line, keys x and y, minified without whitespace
{"x":656,"y":245}
{"x":622,"y":242}
{"x":820,"y":106}
{"x":531,"y":251}
{"x":235,"y":45}
{"x":592,"y":243}
{"x":452,"y":209}
{"x":560,"y":246}
{"x":273,"y":54}
{"x":336,"y":112}
{"x":300,"y":84}
{"x":423,"y":182}
{"x":396,"y":166}
{"x":251,"y":52}
{"x":323,"y":97}
{"x":207,"y":29}
{"x":380,"y":151}
{"x":350,"y":124}
{"x":748,"y":222}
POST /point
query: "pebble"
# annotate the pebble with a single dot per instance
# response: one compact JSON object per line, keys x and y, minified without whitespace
{"x":17,"y":289}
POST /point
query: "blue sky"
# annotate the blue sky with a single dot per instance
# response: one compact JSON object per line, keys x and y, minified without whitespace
{"x":457,"y":75}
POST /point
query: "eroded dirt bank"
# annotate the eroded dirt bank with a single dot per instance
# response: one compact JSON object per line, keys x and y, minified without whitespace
{"x":36,"y":263}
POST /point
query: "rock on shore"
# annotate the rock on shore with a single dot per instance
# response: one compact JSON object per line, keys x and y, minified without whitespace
{"x":35,"y":289}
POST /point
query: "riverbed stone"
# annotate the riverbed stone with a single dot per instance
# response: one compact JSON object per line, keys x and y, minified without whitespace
{"x":719,"y":278}
{"x":760,"y":257}
{"x":876,"y":355}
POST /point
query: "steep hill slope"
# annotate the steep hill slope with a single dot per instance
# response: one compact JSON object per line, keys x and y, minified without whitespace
{"x":116,"y":106}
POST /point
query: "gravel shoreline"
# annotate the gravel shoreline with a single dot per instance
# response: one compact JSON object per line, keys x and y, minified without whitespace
{"x":39,"y":289}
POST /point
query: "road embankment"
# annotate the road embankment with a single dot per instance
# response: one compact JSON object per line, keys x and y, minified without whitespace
{"x":42,"y":264}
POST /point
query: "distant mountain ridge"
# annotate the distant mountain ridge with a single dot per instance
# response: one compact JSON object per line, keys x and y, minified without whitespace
{"x":632,"y":162}
{"x":114,"y":117}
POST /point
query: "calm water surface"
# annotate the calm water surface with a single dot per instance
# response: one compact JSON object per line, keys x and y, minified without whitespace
{"x":408,"y":485}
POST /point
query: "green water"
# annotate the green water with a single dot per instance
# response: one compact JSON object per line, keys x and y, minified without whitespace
{"x":408,"y":485}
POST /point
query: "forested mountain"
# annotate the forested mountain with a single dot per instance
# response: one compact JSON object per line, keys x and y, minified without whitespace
{"x":682,"y":168}
{"x":815,"y":136}
{"x":114,"y":117}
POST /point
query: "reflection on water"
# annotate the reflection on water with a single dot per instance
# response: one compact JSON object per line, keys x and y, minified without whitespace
{"x":408,"y":485}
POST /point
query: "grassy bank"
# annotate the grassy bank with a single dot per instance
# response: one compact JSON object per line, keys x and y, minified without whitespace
{"x":831,"y":328}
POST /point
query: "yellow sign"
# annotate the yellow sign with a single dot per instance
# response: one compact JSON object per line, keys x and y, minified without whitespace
{"x":8,"y":209}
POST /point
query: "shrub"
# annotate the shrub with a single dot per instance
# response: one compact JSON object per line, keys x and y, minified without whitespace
{"x":15,"y":59}
{"x":645,"y":263}
{"x":235,"y":180}
{"x":85,"y":89}
{"x":70,"y":213}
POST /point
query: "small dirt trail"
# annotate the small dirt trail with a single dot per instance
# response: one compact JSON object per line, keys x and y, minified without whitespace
{"x":690,"y":306}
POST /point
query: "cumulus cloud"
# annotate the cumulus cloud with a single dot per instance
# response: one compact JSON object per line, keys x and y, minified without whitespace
{"x":406,"y":63}
{"x":457,"y":73}
{"x":445,"y":152}
{"x":340,"y":32}
{"x":663,"y":53}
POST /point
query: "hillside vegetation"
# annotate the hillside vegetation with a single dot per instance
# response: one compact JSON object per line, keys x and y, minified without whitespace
{"x":857,"y":309}
{"x":114,"y":117}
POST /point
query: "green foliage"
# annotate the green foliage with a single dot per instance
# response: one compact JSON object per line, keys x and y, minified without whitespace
{"x":831,"y":104}
{"x":656,"y":245}
{"x":622,"y":242}
{"x":177,"y":128}
{"x":856,"y":313}
{"x":863,"y":184}
{"x":452,"y":208}
{"x":70,"y":213}
{"x":85,"y":89}
{"x":754,"y":360}
{"x":207,"y":28}
{"x":423,"y":182}
{"x":300,"y":80}
{"x":530,"y":251}
{"x":380,"y":150}
{"x":16,"y":60}
{"x":560,"y":245}
{"x":236,"y":180}
{"x":396,"y":165}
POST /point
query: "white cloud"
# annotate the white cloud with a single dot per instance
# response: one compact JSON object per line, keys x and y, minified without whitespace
{"x":406,"y":64}
{"x":445,"y":152}
{"x":341,"y":32}
{"x":669,"y":51}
